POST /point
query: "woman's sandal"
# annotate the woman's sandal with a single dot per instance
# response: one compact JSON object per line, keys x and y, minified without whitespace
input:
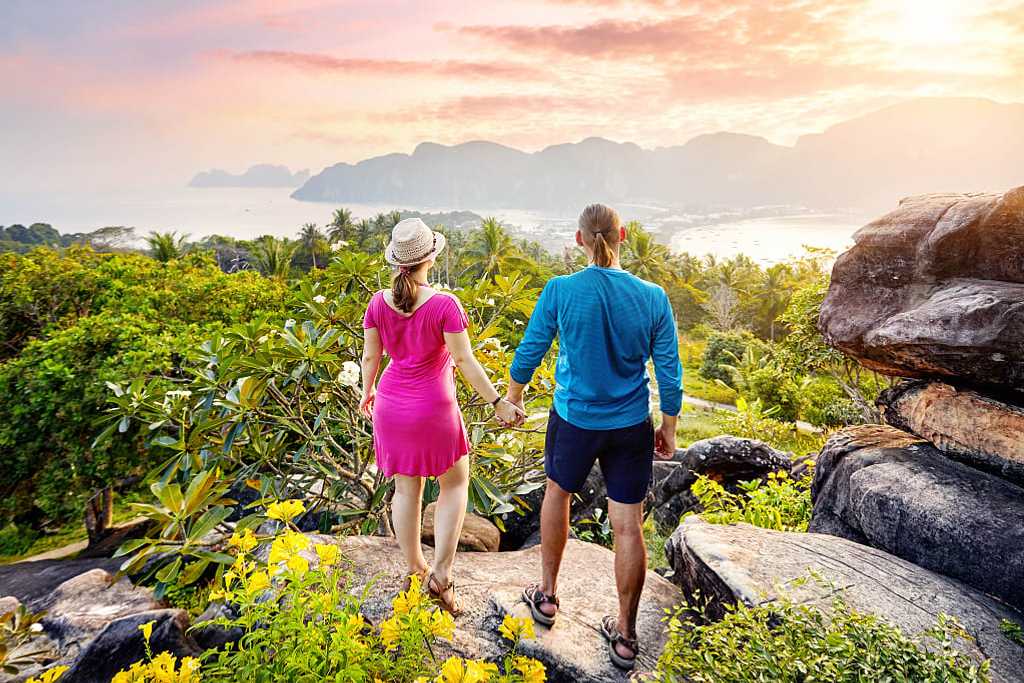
{"x":611,"y":633}
{"x":535,"y":597}
{"x":452,"y":605}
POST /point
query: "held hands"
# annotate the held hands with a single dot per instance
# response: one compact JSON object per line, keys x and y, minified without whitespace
{"x":509,"y":414}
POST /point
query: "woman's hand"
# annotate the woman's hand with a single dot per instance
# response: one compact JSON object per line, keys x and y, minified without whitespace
{"x":366,"y":404}
{"x":508,"y":414}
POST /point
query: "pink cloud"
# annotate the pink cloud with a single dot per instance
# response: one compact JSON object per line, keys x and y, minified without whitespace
{"x":314,"y":62}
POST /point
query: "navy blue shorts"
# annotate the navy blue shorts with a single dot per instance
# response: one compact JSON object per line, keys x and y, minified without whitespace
{"x":626,"y":456}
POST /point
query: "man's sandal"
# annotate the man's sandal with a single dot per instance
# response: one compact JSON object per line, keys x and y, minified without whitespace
{"x":611,"y":633}
{"x":452,"y":605}
{"x":535,"y":597}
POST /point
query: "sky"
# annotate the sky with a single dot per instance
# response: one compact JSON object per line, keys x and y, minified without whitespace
{"x":103,"y":94}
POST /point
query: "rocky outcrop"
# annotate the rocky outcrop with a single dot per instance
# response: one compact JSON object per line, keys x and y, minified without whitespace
{"x":741,"y":563}
{"x":120,"y":644}
{"x":477,"y":533}
{"x":490,"y":586}
{"x":33,"y":582}
{"x":883,"y":487}
{"x":981,"y":431}
{"x":726,"y":459}
{"x":935,"y":289}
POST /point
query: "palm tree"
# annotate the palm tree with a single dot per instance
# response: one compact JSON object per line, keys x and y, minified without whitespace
{"x":312,"y":240}
{"x":494,"y":250}
{"x":274,"y":256}
{"x":773,"y":292}
{"x":166,"y":246}
{"x":644,"y":257}
{"x":341,"y":226}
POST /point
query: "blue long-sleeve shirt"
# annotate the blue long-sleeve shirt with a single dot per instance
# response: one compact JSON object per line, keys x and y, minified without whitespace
{"x":608,"y":322}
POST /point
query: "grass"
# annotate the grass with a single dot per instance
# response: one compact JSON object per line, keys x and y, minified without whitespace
{"x":74,"y":532}
{"x":698,"y":387}
{"x":696,"y":424}
{"x":655,"y":542}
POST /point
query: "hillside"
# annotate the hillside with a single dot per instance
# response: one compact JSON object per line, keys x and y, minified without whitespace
{"x":866,"y":163}
{"x":260,"y":175}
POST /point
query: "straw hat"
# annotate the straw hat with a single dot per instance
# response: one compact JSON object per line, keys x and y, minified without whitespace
{"x":412,"y":243}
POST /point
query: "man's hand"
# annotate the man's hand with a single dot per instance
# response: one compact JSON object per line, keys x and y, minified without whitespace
{"x":515,"y":397}
{"x":509,"y":414}
{"x":665,"y":438}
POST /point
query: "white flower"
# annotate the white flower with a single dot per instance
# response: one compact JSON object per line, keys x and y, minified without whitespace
{"x":493,"y":342}
{"x":319,"y":298}
{"x":262,"y":340}
{"x":289,"y":323}
{"x":180,"y":393}
{"x":489,"y":302}
{"x":349,"y":375}
{"x":36,"y":628}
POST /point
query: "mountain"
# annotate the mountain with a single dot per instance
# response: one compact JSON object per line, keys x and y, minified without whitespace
{"x":260,"y":175}
{"x":869,"y":163}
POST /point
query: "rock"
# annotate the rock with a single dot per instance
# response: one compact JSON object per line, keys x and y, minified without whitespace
{"x":32,"y":582}
{"x":477,"y":533}
{"x":82,"y":606}
{"x":726,"y":459}
{"x":9,"y":604}
{"x":120,"y":644}
{"x":894,"y":491}
{"x":975,"y":429}
{"x":935,"y":289}
{"x":209,"y":636}
{"x":522,"y":529}
{"x":490,"y":585}
{"x":741,"y":563}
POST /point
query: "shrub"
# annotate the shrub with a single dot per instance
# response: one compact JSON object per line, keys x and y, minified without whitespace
{"x":784,"y":642}
{"x":752,"y":421}
{"x":723,"y":348}
{"x":775,"y":387}
{"x":825,"y":404}
{"x":779,"y":503}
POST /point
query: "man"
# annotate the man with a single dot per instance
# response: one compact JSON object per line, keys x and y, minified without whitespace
{"x":609,"y":323}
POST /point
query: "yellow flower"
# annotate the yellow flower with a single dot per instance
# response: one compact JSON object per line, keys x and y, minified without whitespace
{"x":50,"y":675}
{"x":532,"y":670}
{"x":410,"y":600}
{"x":189,"y":671}
{"x":285,"y":510}
{"x":284,"y":547}
{"x":478,"y":672}
{"x":390,"y":631}
{"x":441,"y":624}
{"x":515,"y":629}
{"x":147,"y":630}
{"x":327,"y":553}
{"x":298,"y":564}
{"x":259,"y":581}
{"x":451,"y":671}
{"x":245,"y":541}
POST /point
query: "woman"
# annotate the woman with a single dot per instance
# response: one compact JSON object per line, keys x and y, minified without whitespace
{"x":417,"y":426}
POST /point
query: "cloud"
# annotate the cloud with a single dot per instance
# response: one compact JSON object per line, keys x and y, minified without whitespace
{"x":312,"y":62}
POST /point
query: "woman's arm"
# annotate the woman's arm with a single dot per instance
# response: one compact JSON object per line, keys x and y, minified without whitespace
{"x":462,"y":354}
{"x":370,"y":364}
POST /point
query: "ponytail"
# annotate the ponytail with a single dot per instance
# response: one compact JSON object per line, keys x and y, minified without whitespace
{"x":599,"y":225}
{"x":603,"y":254}
{"x":404,"y":290}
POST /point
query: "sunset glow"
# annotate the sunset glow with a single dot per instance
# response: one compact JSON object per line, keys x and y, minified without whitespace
{"x":150,"y":92}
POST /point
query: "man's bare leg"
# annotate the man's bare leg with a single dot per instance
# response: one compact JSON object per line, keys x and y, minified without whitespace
{"x":554,"y":533}
{"x":630,"y":564}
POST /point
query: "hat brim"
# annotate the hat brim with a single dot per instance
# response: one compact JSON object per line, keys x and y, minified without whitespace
{"x":439,"y":244}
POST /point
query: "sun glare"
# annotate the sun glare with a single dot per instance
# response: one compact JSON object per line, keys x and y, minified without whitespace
{"x":931,"y":21}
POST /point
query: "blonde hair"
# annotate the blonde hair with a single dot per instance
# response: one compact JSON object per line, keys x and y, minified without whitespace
{"x":600,"y":225}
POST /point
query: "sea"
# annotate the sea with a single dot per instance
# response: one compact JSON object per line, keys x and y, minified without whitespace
{"x":767,"y":234}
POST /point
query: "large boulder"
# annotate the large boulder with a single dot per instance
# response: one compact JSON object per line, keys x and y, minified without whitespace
{"x":891,"y":490}
{"x":32,"y":582}
{"x":978,"y":430}
{"x":726,"y":459}
{"x":522,"y":527}
{"x":744,"y":564}
{"x":477,"y":533}
{"x":490,"y":586}
{"x":120,"y":644}
{"x":935,"y":289}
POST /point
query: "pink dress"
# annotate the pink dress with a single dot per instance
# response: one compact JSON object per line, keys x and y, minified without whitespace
{"x":417,"y":426}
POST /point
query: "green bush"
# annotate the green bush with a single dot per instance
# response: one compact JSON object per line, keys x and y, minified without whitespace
{"x":784,"y":642}
{"x":752,"y":421}
{"x":779,"y":503}
{"x":16,"y":540}
{"x":775,"y":387}
{"x":69,"y":324}
{"x":723,"y":349}
{"x":825,"y":404}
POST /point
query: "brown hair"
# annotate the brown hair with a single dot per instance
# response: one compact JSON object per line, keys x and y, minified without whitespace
{"x":404,"y":289}
{"x":599,"y":226}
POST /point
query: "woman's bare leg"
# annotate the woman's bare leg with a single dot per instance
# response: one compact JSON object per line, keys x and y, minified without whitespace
{"x":405,"y":516}
{"x":451,"y":512}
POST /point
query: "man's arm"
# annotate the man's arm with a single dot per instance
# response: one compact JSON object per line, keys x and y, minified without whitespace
{"x":669,"y":373}
{"x":540,"y":332}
